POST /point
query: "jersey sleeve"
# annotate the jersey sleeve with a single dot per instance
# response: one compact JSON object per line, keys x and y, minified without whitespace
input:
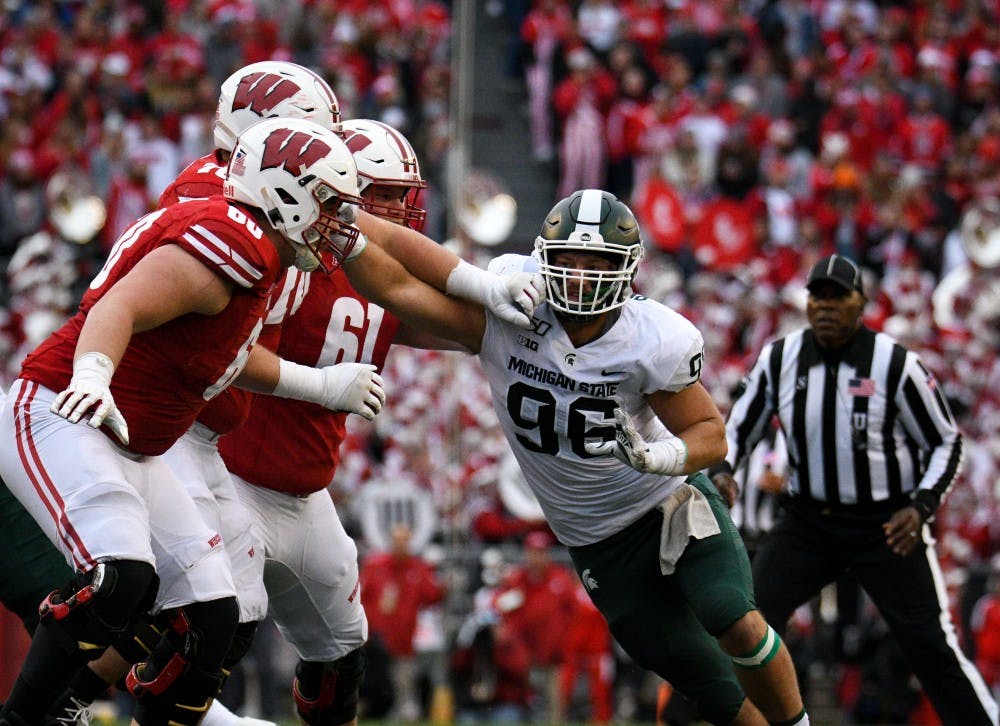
{"x":752,"y":409}
{"x":512,"y":263}
{"x":928,"y":420}
{"x":200,"y":180}
{"x":230,"y":250}
{"x":671,"y":358}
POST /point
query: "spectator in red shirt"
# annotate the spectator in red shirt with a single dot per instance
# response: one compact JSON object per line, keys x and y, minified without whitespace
{"x":490,"y":669}
{"x":537,"y":600}
{"x":395,"y":586}
{"x":587,"y":650}
{"x":581,"y":102}
{"x":986,"y":630}
{"x":547,"y":26}
{"x":925,"y":134}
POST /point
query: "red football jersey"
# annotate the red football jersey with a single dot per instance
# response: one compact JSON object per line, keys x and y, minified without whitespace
{"x":202,"y":178}
{"x":169,"y":373}
{"x":334,"y":324}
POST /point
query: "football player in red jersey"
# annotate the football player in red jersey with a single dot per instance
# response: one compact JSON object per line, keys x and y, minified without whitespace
{"x":252,"y":93}
{"x":166,"y":325}
{"x":311,"y":566}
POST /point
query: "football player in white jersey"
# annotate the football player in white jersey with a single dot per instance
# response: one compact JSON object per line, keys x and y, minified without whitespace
{"x":601,"y":402}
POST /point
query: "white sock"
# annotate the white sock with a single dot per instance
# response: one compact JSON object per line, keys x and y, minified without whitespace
{"x":219,"y":715}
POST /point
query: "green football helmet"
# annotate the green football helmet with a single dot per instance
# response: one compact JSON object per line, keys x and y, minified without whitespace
{"x":593,"y":221}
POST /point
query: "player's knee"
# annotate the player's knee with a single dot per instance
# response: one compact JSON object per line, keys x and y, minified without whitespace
{"x":240,"y":646}
{"x":760,"y":653}
{"x":184,"y":671}
{"x":142,"y":637}
{"x":98,"y":606}
{"x":327,"y":693}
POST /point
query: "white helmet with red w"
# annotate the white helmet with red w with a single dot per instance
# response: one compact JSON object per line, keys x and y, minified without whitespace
{"x":272,"y":89}
{"x":386,"y":159}
{"x":300,"y":175}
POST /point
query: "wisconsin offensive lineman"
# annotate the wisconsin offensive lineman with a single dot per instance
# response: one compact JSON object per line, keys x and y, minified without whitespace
{"x":311,"y":567}
{"x":266,"y":89}
{"x":165,"y":326}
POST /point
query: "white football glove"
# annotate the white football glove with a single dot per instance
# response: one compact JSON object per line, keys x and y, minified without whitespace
{"x":659,"y":457}
{"x":512,"y":297}
{"x":90,"y":388}
{"x":352,"y":387}
{"x":526,"y":291}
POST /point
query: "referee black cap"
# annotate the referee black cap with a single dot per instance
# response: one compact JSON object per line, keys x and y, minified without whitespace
{"x":839,"y":270}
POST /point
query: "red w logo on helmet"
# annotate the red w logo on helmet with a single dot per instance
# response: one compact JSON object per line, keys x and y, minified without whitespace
{"x":294,"y":150}
{"x":260,"y":92}
{"x":356,"y":142}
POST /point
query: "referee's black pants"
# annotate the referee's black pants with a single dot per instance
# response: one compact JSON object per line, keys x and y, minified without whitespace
{"x":808,"y":549}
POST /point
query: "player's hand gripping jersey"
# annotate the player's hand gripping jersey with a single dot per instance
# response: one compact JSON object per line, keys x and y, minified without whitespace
{"x":166,"y":377}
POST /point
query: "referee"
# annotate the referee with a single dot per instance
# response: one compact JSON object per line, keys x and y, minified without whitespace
{"x":872,"y":449}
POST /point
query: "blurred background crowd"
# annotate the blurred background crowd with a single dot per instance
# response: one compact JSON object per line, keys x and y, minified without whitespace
{"x":750,"y":138}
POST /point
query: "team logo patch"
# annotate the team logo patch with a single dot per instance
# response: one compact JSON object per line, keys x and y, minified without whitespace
{"x":589,"y":581}
{"x":215,"y":541}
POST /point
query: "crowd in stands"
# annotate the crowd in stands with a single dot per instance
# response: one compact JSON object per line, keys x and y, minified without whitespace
{"x":750,"y":138}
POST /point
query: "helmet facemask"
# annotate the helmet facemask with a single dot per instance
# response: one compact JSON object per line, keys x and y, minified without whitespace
{"x":583,"y":293}
{"x":331,"y":235}
{"x":595,"y":222}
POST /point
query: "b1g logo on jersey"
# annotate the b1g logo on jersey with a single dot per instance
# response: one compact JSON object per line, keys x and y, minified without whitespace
{"x":527,"y":342}
{"x":293,"y":150}
{"x":539,"y":327}
{"x":260,"y":92}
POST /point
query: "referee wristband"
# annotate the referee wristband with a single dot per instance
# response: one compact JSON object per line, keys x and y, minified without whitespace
{"x":926,"y":503}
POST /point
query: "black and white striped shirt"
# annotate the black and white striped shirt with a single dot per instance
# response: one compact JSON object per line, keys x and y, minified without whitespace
{"x":866,"y":425}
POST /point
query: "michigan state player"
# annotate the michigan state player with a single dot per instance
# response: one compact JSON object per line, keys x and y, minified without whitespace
{"x":601,"y":402}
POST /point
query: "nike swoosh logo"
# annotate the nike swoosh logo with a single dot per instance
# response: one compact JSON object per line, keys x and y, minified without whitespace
{"x":611,"y":373}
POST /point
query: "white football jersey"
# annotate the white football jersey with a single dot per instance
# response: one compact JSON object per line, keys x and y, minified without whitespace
{"x":552,"y":398}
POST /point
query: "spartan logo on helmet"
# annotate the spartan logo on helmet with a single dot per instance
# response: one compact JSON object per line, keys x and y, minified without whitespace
{"x":292,"y":150}
{"x":261,"y":92}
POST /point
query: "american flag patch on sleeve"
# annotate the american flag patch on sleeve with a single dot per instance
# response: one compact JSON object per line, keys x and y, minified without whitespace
{"x":862,"y":387}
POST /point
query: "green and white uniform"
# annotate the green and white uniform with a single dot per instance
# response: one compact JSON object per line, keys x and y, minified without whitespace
{"x":553,"y":398}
